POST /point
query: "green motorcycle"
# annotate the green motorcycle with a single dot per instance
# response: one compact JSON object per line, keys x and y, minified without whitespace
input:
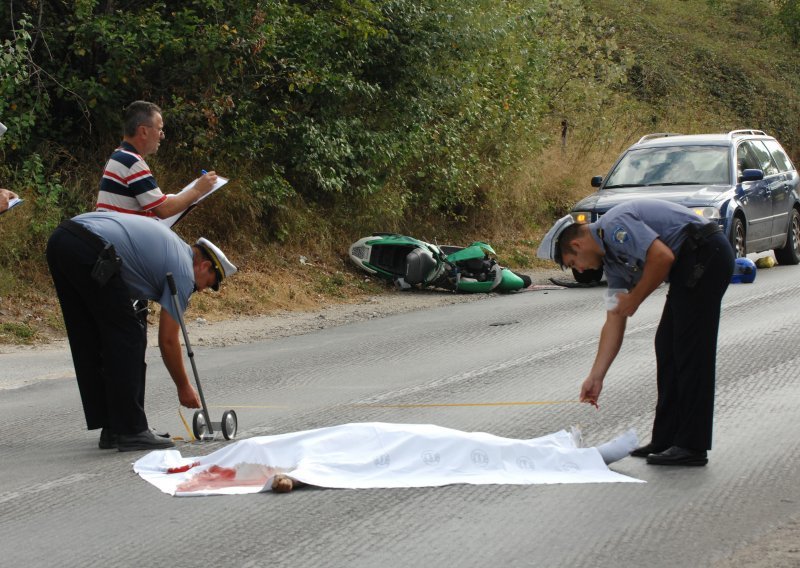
{"x":409,"y":262}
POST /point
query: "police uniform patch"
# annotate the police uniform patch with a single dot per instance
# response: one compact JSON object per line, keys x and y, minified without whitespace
{"x":620,"y":234}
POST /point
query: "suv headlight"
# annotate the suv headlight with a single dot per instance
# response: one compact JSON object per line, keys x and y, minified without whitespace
{"x":582,"y":216}
{"x":708,"y":212}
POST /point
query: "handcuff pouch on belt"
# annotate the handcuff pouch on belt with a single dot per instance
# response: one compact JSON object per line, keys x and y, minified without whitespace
{"x":107,"y":265}
{"x":695,"y":237}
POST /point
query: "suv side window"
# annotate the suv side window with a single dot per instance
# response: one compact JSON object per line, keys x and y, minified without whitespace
{"x":757,"y":153}
{"x":780,"y":157}
{"x":746,"y":158}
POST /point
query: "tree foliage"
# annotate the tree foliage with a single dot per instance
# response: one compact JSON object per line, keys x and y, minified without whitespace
{"x":326,"y":101}
{"x":789,"y":17}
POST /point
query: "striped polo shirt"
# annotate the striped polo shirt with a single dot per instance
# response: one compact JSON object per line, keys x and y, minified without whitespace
{"x":128,"y":186}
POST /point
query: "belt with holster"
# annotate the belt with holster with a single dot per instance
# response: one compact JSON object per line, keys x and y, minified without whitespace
{"x":108,"y":263}
{"x":696,"y":236}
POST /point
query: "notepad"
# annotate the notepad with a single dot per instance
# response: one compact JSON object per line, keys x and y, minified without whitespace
{"x":170,"y":221}
{"x":13,"y":203}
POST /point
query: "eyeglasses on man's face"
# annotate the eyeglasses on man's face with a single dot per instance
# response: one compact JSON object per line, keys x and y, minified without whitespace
{"x":160,"y":130}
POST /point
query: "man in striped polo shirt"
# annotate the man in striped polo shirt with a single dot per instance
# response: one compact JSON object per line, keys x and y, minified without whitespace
{"x":128,"y":185}
{"x":6,"y":195}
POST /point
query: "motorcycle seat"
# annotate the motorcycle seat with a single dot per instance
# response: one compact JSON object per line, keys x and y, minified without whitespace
{"x":419,"y":263}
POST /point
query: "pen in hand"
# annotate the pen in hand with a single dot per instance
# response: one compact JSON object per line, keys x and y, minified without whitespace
{"x":207,"y":181}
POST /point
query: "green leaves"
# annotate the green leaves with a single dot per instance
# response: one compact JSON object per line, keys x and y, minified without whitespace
{"x":331,"y":101}
{"x":17,"y":102}
{"x":789,"y":17}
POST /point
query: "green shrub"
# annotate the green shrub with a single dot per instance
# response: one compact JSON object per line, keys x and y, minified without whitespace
{"x":789,"y":17}
{"x":431,"y":97}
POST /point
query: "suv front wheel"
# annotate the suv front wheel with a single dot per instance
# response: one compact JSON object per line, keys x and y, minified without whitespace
{"x":589,"y":276}
{"x":738,"y":238}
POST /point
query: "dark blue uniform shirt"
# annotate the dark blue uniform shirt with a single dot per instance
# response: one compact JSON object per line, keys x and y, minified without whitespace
{"x":626,"y":232}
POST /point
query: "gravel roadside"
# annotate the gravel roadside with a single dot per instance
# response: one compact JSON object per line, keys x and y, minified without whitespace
{"x":287,"y":323}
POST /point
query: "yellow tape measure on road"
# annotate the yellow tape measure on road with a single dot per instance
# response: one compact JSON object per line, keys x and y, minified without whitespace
{"x":188,"y":430}
{"x":467,"y":404}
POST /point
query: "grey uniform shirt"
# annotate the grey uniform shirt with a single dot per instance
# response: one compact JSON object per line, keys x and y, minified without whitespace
{"x":148,"y":250}
{"x":628,"y":229}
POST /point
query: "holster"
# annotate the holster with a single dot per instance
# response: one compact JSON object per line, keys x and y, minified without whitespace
{"x":107,"y":265}
{"x":696,"y":236}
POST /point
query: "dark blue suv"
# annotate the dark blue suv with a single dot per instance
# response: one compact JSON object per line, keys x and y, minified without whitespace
{"x":743,"y":180}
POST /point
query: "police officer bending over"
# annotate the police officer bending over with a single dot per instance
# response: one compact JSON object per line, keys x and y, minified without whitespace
{"x":99,"y":263}
{"x":641,"y":244}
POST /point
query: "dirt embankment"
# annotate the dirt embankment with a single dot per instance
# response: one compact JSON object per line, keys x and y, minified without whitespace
{"x":284,"y":323}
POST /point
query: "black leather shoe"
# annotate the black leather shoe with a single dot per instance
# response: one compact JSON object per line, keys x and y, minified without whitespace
{"x":108,"y":440}
{"x":678,"y":456}
{"x":645,"y":451}
{"x":146,"y":440}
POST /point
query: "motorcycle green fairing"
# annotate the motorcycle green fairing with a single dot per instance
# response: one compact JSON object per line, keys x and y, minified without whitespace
{"x":510,"y":282}
{"x":477,"y":249}
{"x":504,"y":282}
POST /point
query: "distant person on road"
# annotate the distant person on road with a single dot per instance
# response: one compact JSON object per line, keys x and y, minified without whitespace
{"x":128,"y":185}
{"x":6,"y":196}
{"x":99,"y":262}
{"x":641,"y":244}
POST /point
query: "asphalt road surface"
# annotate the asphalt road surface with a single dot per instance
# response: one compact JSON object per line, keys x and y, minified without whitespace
{"x":65,"y":503}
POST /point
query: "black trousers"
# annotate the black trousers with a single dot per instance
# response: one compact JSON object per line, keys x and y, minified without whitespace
{"x":107,"y":338}
{"x":686,"y":346}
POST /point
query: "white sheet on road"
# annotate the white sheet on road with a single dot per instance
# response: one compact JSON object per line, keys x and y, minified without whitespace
{"x":373,"y":455}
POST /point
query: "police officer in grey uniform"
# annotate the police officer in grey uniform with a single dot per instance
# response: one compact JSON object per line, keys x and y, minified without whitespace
{"x":100,"y":262}
{"x":641,"y":244}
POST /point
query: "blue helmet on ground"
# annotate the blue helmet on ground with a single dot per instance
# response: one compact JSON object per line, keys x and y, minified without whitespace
{"x":744,"y":271}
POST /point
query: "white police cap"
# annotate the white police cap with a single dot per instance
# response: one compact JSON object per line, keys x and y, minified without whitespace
{"x":222,"y":266}
{"x":549,"y":247}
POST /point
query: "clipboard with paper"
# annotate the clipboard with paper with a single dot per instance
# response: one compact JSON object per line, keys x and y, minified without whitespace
{"x":12,"y":203}
{"x":170,"y":221}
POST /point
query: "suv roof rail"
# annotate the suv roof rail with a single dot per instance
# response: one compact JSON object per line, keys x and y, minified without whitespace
{"x":733,"y":133}
{"x":658,"y":135}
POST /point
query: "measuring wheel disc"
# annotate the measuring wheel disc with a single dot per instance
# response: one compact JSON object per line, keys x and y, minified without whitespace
{"x":200,"y":425}
{"x":229,"y":424}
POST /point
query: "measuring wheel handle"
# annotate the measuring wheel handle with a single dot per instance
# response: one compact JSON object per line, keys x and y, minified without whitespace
{"x":229,"y":424}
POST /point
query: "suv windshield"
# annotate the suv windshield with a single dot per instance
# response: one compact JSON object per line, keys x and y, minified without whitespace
{"x":672,"y":165}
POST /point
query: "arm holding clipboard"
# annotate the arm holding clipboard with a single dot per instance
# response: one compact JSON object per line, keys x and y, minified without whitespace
{"x":8,"y":198}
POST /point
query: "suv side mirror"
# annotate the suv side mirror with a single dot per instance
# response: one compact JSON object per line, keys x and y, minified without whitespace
{"x":751,"y":175}
{"x":597,"y":181}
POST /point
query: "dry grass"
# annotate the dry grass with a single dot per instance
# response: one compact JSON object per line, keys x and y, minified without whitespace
{"x":270,"y":279}
{"x":513,"y":218}
{"x":273,"y":277}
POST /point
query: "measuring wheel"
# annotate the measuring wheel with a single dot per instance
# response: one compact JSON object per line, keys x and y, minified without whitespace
{"x":200,"y":425}
{"x":229,"y":424}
